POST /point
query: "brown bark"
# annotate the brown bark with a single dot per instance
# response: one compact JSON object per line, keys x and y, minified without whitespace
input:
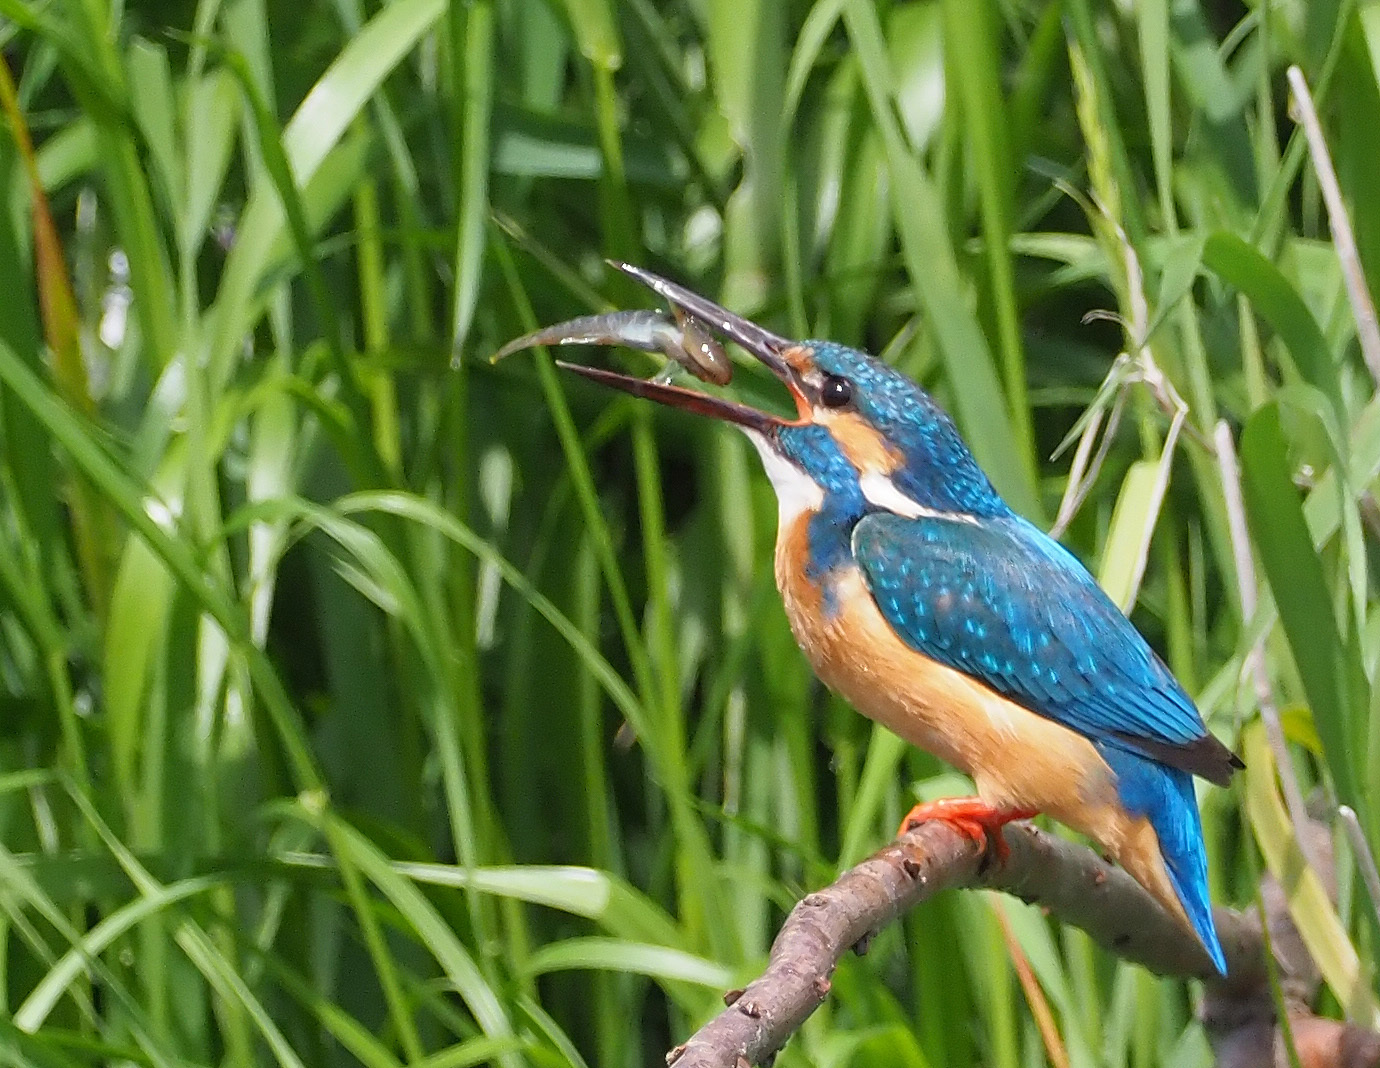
{"x":1076,"y":886}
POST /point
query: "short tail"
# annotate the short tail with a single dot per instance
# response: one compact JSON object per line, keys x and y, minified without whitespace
{"x":1165,"y":797}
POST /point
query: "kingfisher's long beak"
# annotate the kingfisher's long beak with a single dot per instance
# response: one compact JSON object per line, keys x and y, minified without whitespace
{"x":770,"y":349}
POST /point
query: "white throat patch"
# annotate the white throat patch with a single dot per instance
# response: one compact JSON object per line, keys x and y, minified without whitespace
{"x":883,"y":493}
{"x":796,"y":492}
{"x":880,"y":491}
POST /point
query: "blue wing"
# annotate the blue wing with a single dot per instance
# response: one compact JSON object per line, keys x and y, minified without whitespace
{"x":1004,"y":603}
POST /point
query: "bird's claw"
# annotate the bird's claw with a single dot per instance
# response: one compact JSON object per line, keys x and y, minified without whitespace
{"x":972,"y":818}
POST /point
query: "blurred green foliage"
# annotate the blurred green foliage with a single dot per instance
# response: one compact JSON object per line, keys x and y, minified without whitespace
{"x":360,"y":708}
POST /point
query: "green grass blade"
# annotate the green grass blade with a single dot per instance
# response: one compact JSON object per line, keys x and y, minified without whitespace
{"x":1300,"y":588}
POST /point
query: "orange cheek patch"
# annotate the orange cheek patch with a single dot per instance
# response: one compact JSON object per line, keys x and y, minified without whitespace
{"x":799,"y":358}
{"x":865,"y":448}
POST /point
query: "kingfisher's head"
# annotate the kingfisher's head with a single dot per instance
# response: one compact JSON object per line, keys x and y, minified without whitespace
{"x":865,"y":438}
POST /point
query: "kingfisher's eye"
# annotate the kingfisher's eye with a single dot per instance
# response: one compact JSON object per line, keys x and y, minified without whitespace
{"x":836,"y":391}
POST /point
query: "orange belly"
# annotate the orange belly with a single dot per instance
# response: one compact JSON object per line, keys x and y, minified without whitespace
{"x":1016,"y":758}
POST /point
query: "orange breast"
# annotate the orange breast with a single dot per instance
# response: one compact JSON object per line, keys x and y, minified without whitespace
{"x":1016,"y":758}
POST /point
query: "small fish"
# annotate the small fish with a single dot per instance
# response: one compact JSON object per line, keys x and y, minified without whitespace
{"x":679,"y":337}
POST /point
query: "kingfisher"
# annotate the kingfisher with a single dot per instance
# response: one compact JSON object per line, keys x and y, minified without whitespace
{"x":920,"y":597}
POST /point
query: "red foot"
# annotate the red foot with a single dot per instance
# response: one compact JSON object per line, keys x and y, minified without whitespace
{"x":971,"y":817}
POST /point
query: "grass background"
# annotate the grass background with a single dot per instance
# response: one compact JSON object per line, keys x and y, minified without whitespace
{"x":358,"y":709}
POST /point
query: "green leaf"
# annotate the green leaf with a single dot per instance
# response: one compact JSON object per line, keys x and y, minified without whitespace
{"x":596,"y":30}
{"x":1133,"y":524}
{"x":666,"y":965}
{"x":73,"y":964}
{"x":1327,"y":665}
{"x":1277,"y":302}
{"x":1309,"y":906}
{"x":970,"y":42}
{"x":454,"y":958}
{"x":474,"y":41}
{"x":316,"y":129}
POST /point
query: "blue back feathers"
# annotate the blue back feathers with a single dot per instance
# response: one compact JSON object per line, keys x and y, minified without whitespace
{"x":1001,"y":601}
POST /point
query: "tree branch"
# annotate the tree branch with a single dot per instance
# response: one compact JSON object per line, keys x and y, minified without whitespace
{"x":1071,"y":881}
